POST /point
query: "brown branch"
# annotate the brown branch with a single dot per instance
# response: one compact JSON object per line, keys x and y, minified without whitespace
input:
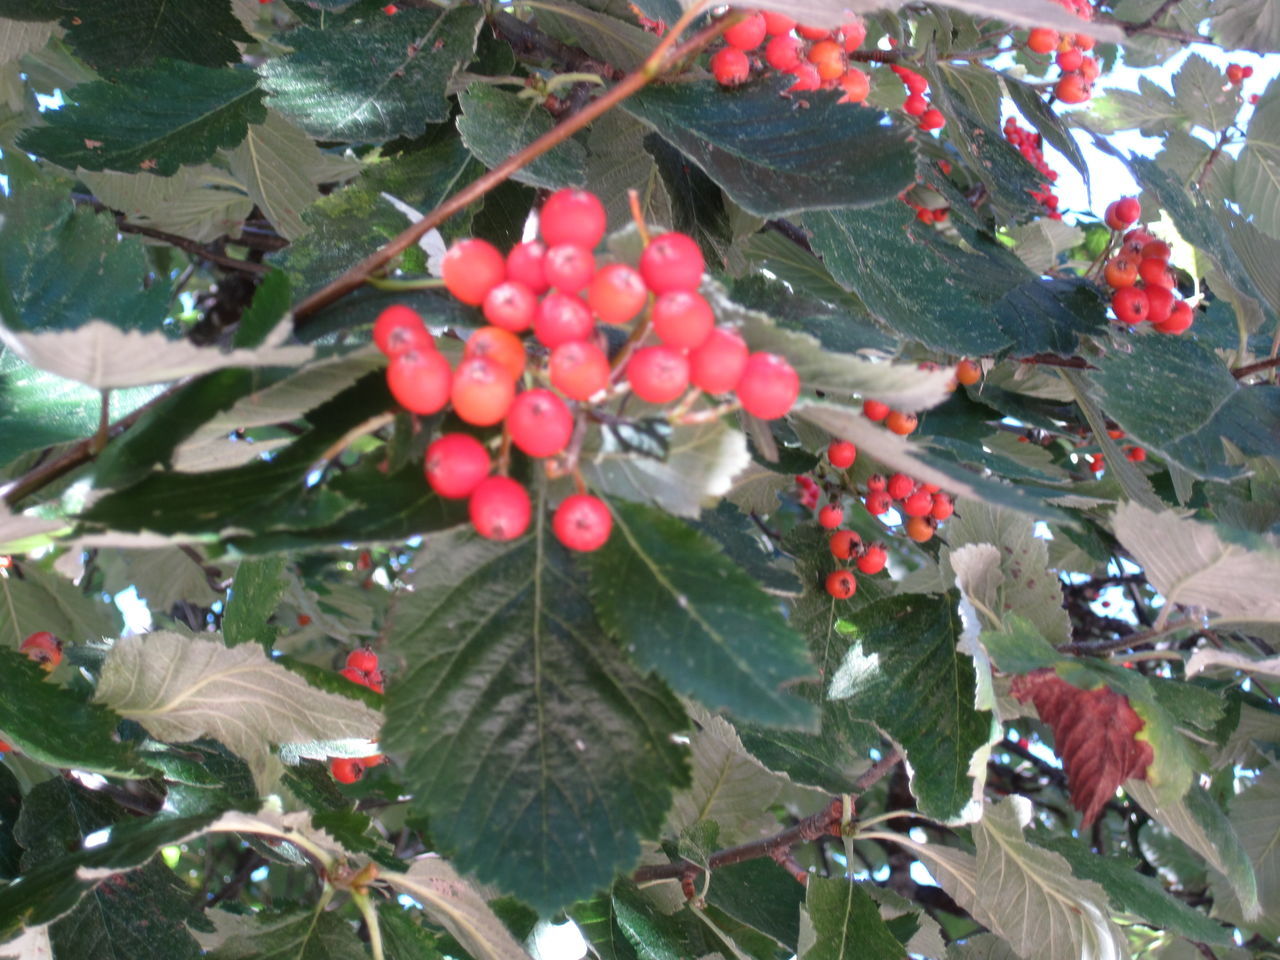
{"x":1152,"y":20}
{"x":1241,"y":372}
{"x":1052,"y":360}
{"x":356,"y":275}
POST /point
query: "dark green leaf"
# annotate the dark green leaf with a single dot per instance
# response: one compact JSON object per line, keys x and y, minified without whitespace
{"x":687,"y":611}
{"x":743,"y":542}
{"x":403,"y":938}
{"x":156,"y":118}
{"x":203,"y":777}
{"x":1030,"y":102}
{"x":136,"y":33}
{"x":269,"y":305}
{"x":773,"y":159}
{"x":524,"y":730}
{"x":762,"y":894}
{"x":842,"y":915}
{"x":373,"y":79}
{"x":39,"y":599}
{"x":291,"y":935}
{"x":255,"y":594}
{"x":496,"y":124}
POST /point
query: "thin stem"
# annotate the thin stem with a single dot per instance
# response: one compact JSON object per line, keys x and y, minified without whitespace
{"x":365,"y":904}
{"x":1241,"y":372}
{"x":396,"y":283}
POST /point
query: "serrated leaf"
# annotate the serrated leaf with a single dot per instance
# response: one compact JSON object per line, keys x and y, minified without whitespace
{"x":1152,"y":109}
{"x":1248,"y":25}
{"x":1049,"y":124}
{"x":1039,"y":243}
{"x":616,"y":42}
{"x":1202,"y":90}
{"x":200,"y":202}
{"x":41,"y":600}
{"x":841,"y":913}
{"x":156,"y":118}
{"x":1207,"y":658}
{"x":745,"y":140}
{"x":255,"y":594}
{"x":373,"y":79}
{"x":184,"y":688}
{"x":1255,"y":815}
{"x":137,"y":33}
{"x":1189,"y":563}
{"x":510,"y":686}
{"x":18,"y":38}
{"x":756,"y":489}
{"x":496,"y":124}
{"x":290,"y":935}
{"x":162,"y":577}
{"x":617,"y":162}
{"x":1257,"y":170}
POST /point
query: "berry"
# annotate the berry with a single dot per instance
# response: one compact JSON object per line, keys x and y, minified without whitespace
{"x":1180,"y":319}
{"x":827,"y":57}
{"x":420,"y":381}
{"x":855,"y":33}
{"x":617,"y":293}
{"x":875,"y":410}
{"x":510,"y":305}
{"x":1042,"y":40}
{"x":807,"y":79}
{"x":1128,"y":210}
{"x":562,"y":318}
{"x":717,"y":365}
{"x":769,"y":386}
{"x":1235,"y":74}
{"x":1136,"y":454}
{"x":900,"y":486}
{"x":579,"y":369}
{"x":1155,"y":272}
{"x":784,"y":53}
{"x":873,"y":559}
{"x":500,"y":508}
{"x":539,"y":423}
{"x":44,"y":648}
{"x":568,"y":267}
{"x":355,"y":676}
{"x":346,"y":769}
{"x":1130,"y":305}
{"x":841,"y":454}
{"x":842,"y":584}
{"x":582,"y":522}
{"x":901,"y":423}
{"x":362,"y":659}
{"x":501,"y":346}
{"x":915,"y":105}
{"x":525,"y":265}
{"x":1156,"y":249}
{"x":1089,"y":69}
{"x":968,"y":372}
{"x":747,"y":34}
{"x":471,"y":268}
{"x":776,"y":24}
{"x":920,"y":529}
{"x":658,"y":374}
{"x":877,"y":503}
{"x":918,"y":504}
{"x":856,"y":86}
{"x":670,"y":262}
{"x":932,"y":119}
{"x":304,"y":620}
{"x":943,"y":506}
{"x":831,"y":516}
{"x":1072,"y":88}
{"x":682,"y":319}
{"x":844,"y":543}
{"x":1070,"y":60}
{"x":876,"y":483}
{"x":482,"y":391}
{"x":572,"y":216}
{"x":400,"y":328}
{"x":1159,"y":304}
{"x":455,"y":465}
{"x":1121,"y":272}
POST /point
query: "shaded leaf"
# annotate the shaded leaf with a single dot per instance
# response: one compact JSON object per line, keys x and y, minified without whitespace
{"x":255,"y":594}
{"x":1248,"y":25}
{"x":496,"y":124}
{"x":291,"y":935}
{"x":136,"y":33}
{"x":1257,"y":170}
{"x":40,"y":600}
{"x":1255,"y":814}
{"x":201,"y":201}
{"x":842,"y":914}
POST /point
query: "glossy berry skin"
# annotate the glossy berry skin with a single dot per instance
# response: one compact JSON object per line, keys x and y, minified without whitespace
{"x":827,"y":57}
{"x":1130,"y":305}
{"x":844,"y":543}
{"x":776,"y":24}
{"x":842,"y":584}
{"x":920,"y":529}
{"x":501,"y":346}
{"x":362,"y":659}
{"x":932,"y":119}
{"x":730,"y":67}
{"x":569,"y":268}
{"x":1128,"y":210}
{"x":856,"y":86}
{"x":812,"y":33}
{"x":717,"y":365}
{"x":900,"y":486}
{"x":500,"y":509}
{"x":968,"y":373}
{"x":471,"y":268}
{"x":1155,"y":272}
{"x":1071,"y":88}
{"x":617,"y":293}
{"x":769,"y":386}
{"x":784,"y":53}
{"x":400,"y":328}
{"x":831,"y":516}
{"x":747,"y":34}
{"x":658,"y":374}
{"x":873,"y":559}
{"x":901,"y":423}
{"x":943,"y":507}
{"x":1136,"y":454}
{"x":582,"y":522}
{"x":455,"y":465}
{"x":539,"y":423}
{"x":877,"y":503}
{"x":841,"y":454}
{"x":510,"y":305}
{"x":915,"y":105}
{"x":420,"y":381}
{"x":572,"y":216}
{"x":672,"y":261}
{"x":1159,"y":304}
{"x":562,"y":318}
{"x":1235,"y":74}
{"x":682,"y":319}
{"x":807,"y":79}
{"x":876,"y":483}
{"x":875,"y":410}
{"x":855,"y":33}
{"x":579,"y":369}
{"x":918,"y":504}
{"x":1121,"y":272}
{"x":1180,"y":319}
{"x":44,"y":648}
{"x":346,"y":769}
{"x":1042,"y":40}
{"x":482,"y":391}
{"x":1070,"y":59}
{"x":360,"y":677}
{"x":525,"y":265}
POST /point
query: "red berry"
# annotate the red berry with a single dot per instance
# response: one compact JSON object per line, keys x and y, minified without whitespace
{"x":539,"y":422}
{"x":1072,"y":88}
{"x":717,"y":365}
{"x":562,"y":318}
{"x":1155,"y":272}
{"x":582,"y":522}
{"x":932,"y":119}
{"x":914,"y":82}
{"x":844,"y":543}
{"x":1121,"y":272}
{"x":943,"y":507}
{"x":617,"y":293}
{"x":1130,"y":305}
{"x":658,"y":374}
{"x":572,"y":216}
{"x":831,"y":516}
{"x":346,"y":769}
{"x":482,"y":391}
{"x":873,"y":559}
{"x":842,"y":584}
{"x":471,"y":268}
{"x":568,"y":267}
{"x":579,"y":369}
{"x":855,"y":32}
{"x":1180,"y":319}
{"x":776,"y":24}
{"x":856,"y":86}
{"x":400,"y":328}
{"x":44,"y":648}
{"x":920,"y":529}
{"x":1159,"y":304}
{"x":877,"y":502}
{"x":827,"y":56}
{"x":500,"y":508}
{"x":915,"y":105}
{"x":1042,"y":40}
{"x":968,"y":373}
{"x":747,"y":34}
{"x":304,"y":620}
{"x":1128,"y":210}
{"x":683,"y":319}
{"x":730,"y":67}
{"x":362,"y":659}
{"x":672,"y":261}
{"x":769,"y":386}
{"x":374,"y":682}
{"x":510,"y":305}
{"x":918,"y":504}
{"x":901,"y":423}
{"x":455,"y":465}
{"x":807,"y":79}
{"x":1247,"y":72}
{"x":1070,"y":59}
{"x":501,"y":346}
{"x":1156,"y":249}
{"x":525,"y":265}
{"x":784,"y":53}
{"x":875,"y":410}
{"x":420,"y":381}
{"x":1136,"y":454}
{"x":900,"y":486}
{"x":876,"y":483}
{"x":813,"y":33}
{"x":841,"y":454}
{"x":1235,"y":74}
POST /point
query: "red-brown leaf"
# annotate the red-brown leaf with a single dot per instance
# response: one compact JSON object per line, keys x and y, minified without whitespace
{"x":1095,"y":735}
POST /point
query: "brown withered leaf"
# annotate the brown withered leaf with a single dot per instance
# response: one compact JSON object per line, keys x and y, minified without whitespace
{"x":1095,"y":736}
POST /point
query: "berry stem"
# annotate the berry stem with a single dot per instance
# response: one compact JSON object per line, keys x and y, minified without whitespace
{"x":708,"y":415}
{"x":370,"y":915}
{"x":637,"y":215}
{"x":393,"y":283}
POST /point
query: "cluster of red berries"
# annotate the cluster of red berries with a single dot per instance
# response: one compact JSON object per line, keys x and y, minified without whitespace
{"x":816,"y":57}
{"x":924,"y":505}
{"x":897,"y":421}
{"x":1236,"y":74}
{"x":1031,"y":146}
{"x":1143,"y":286}
{"x":1079,"y":71}
{"x":45,"y":649}
{"x":846,"y":545}
{"x":554,"y":288}
{"x":917,"y":103}
{"x":1132,"y":453}
{"x":361,"y":668}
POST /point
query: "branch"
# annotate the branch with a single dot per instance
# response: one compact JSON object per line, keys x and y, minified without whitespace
{"x":1241,"y":372}
{"x":1053,"y":360}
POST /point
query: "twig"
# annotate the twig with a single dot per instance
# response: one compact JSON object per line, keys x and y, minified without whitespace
{"x":1241,"y":372}
{"x":1152,"y":20}
{"x":1132,"y":641}
{"x":1053,"y":360}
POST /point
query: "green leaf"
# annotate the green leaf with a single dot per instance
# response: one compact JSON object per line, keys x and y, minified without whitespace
{"x":156,"y":118}
{"x":1257,"y":172}
{"x":163,"y":577}
{"x":285,"y":935}
{"x":201,"y":202}
{"x":1248,"y":25}
{"x":685,"y":610}
{"x":1202,"y":90}
{"x":255,"y":594}
{"x":403,"y":938}
{"x":41,"y":600}
{"x":617,"y":162}
{"x":746,"y":141}
{"x":137,"y":33}
{"x":84,"y":736}
{"x":1255,"y":814}
{"x":1152,"y":110}
{"x":744,"y":544}
{"x":842,"y":914}
{"x":1049,"y":124}
{"x":373,"y":79}
{"x":620,"y":44}
{"x":512,"y":692}
{"x":496,"y":124}
{"x":901,"y":671}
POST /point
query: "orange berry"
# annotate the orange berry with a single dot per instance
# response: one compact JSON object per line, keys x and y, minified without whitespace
{"x":482,"y":391}
{"x":1121,"y":272}
{"x":1042,"y":40}
{"x":920,"y":529}
{"x":901,"y":423}
{"x":499,"y":345}
{"x":828,"y":57}
{"x":968,"y":372}
{"x":856,"y":86}
{"x":1072,"y":88}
